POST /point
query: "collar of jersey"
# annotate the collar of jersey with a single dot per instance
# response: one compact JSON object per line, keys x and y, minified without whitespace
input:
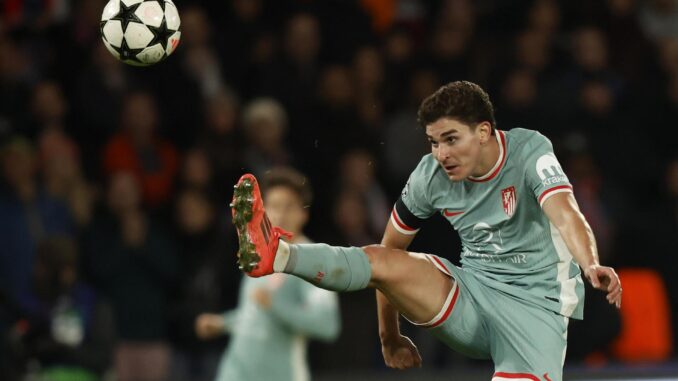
{"x":501,"y":140}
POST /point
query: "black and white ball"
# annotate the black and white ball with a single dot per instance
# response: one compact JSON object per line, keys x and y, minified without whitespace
{"x":140,"y":32}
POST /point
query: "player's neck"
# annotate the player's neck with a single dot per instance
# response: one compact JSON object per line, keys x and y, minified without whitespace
{"x":489,"y":156}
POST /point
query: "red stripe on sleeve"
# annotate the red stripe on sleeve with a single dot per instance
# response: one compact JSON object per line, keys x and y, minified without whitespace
{"x":546,"y":192}
{"x":400,"y":223}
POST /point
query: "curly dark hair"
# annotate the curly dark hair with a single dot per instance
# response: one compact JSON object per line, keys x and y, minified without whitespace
{"x":462,"y":101}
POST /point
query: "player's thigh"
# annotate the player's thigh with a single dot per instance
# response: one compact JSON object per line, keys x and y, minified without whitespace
{"x":393,"y":266}
{"x":409,"y":280}
{"x":526,"y":340}
{"x":459,"y":323}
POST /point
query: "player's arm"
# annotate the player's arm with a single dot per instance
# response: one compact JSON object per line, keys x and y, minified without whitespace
{"x":399,"y":351}
{"x":562,"y":210}
{"x":387,"y":314}
{"x":407,"y":216}
{"x":316,"y":315}
{"x":210,"y":325}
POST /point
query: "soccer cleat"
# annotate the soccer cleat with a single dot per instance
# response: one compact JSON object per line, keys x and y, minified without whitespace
{"x":257,"y":238}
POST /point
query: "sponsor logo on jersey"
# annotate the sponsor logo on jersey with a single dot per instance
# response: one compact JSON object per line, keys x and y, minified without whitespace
{"x":549,"y":170}
{"x":492,"y":257}
{"x":508,"y":200}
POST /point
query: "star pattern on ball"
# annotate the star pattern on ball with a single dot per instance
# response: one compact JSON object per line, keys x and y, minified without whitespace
{"x":126,"y":14}
{"x":161,"y":34}
{"x":127,"y":53}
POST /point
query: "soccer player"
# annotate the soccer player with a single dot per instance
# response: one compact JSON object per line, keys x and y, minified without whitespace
{"x":524,"y":241}
{"x":275,"y":314}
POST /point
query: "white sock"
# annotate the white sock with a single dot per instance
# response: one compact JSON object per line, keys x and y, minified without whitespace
{"x":282,"y":256}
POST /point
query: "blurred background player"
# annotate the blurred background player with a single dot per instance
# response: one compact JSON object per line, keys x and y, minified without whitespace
{"x":275,"y":314}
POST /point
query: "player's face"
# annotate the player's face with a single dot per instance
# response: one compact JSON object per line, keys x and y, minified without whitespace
{"x":285,"y":209}
{"x":457,"y":147}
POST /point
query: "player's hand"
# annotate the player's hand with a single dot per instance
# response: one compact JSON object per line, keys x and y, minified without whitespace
{"x":605,"y":278}
{"x":400,"y":353}
{"x":208,"y":326}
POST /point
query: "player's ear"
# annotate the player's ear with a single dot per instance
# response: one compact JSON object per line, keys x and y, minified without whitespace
{"x":484,"y":131}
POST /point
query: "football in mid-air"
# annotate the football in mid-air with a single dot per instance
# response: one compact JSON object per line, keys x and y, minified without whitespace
{"x":140,"y":32}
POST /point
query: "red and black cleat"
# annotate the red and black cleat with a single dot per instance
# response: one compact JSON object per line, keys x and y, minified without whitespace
{"x":257,"y":238}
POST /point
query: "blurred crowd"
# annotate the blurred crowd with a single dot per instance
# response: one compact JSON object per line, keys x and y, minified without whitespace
{"x":115,"y":231}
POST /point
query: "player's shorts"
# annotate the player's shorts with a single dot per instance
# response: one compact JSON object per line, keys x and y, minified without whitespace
{"x":525,"y":341}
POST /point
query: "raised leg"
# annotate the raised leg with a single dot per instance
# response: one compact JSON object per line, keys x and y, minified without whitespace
{"x":410,"y":280}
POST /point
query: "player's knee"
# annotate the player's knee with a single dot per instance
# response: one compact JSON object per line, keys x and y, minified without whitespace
{"x":383,"y":262}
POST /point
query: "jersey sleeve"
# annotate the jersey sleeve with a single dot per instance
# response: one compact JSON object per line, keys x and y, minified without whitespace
{"x":543,"y":173}
{"x":413,"y":206}
{"x":315,"y":314}
{"x":230,"y":319}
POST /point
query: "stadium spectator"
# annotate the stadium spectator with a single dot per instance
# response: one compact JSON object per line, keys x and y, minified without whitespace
{"x":132,"y":260}
{"x":48,"y":109}
{"x":207,"y":282}
{"x":519,"y":100}
{"x":659,"y":18}
{"x":265,"y":123}
{"x":97,"y":100}
{"x":357,"y":173}
{"x":14,"y":87}
{"x":196,"y":171}
{"x":221,"y":138}
{"x":351,"y":220}
{"x":139,"y":149}
{"x":292,"y":76}
{"x":68,"y":328}
{"x":368,"y":75}
{"x":63,"y":178}
{"x":201,"y":62}
{"x":27,"y":214}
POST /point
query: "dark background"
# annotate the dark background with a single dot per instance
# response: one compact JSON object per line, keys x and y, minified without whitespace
{"x":342,"y":81}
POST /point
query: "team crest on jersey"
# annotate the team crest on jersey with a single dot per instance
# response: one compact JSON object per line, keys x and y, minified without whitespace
{"x":509,"y":200}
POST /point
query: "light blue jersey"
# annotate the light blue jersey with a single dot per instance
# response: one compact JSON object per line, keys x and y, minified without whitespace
{"x":506,"y":238}
{"x":270,"y":344}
